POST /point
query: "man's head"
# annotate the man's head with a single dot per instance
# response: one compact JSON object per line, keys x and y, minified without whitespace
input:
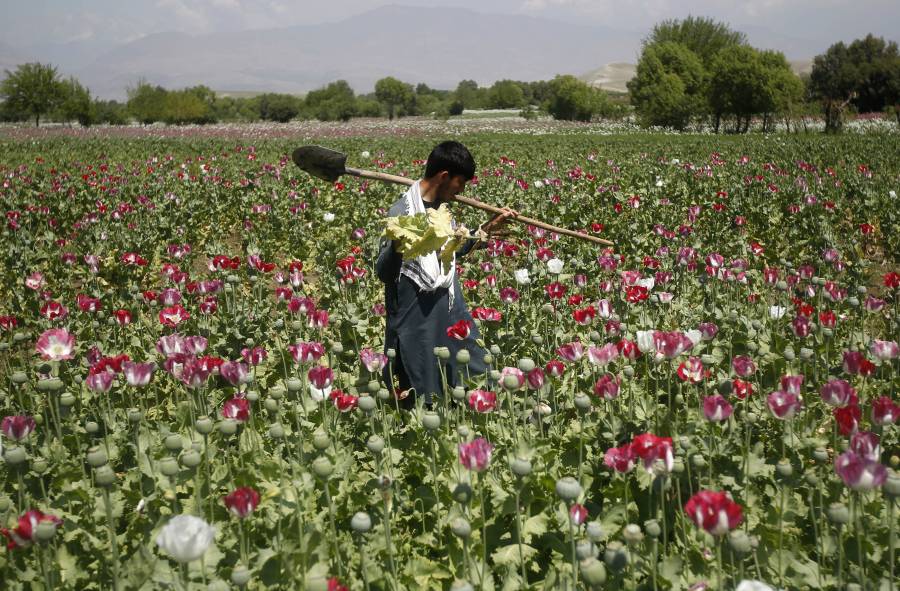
{"x":450,"y":166}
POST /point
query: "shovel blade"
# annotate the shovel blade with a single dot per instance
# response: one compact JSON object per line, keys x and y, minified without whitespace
{"x":321,"y":162}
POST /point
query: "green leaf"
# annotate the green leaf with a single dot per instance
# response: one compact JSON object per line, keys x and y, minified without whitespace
{"x":509,"y":555}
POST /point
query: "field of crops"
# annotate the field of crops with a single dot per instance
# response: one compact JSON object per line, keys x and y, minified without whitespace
{"x":191,"y":344}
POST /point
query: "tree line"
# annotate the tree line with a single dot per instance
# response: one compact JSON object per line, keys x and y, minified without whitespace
{"x":691,"y":72}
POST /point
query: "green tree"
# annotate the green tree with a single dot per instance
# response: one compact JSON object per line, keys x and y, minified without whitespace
{"x":335,"y":102}
{"x":278,"y":107}
{"x":704,"y":36}
{"x":574,"y":100}
{"x":77,"y":104}
{"x":393,"y":93}
{"x":468,"y":95}
{"x":33,"y":89}
{"x":506,"y":94}
{"x":112,"y":112}
{"x":185,"y":106}
{"x":784,"y":89}
{"x":146,"y":102}
{"x":669,"y":85}
{"x":878,"y":64}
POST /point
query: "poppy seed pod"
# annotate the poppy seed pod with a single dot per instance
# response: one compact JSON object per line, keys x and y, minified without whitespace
{"x":463,"y":431}
{"x":67,"y":399}
{"x":45,"y":531}
{"x":366,"y":403}
{"x":461,"y":528}
{"x":271,"y":405}
{"x":321,"y":440}
{"x":594,"y":531}
{"x":838,"y":514}
{"x":173,"y":442}
{"x":293,"y":384}
{"x":240,"y":576}
{"x":520,"y":467}
{"x":276,"y":431}
{"x":651,"y":526}
{"x":525,"y":364}
{"x":105,"y":477}
{"x":891,"y":486}
{"x":495,"y":350}
{"x":582,"y":402}
{"x":277,"y":391}
{"x":463,"y":356}
{"x":96,"y":457}
{"x":228,"y":427}
{"x":322,"y":467}
{"x":361,"y":522}
{"x":568,"y":489}
{"x":462,"y":493}
{"x":168,"y":466}
{"x":91,"y":427}
{"x":739,"y":541}
{"x":784,"y":468}
{"x":431,"y":421}
{"x":15,"y":455}
{"x":458,"y":393}
{"x":488,"y":358}
{"x":537,"y":339}
{"x":615,"y":556}
{"x":204,"y":425}
{"x":375,"y":444}
{"x":632,"y":534}
{"x":585,"y":549}
{"x":628,"y":371}
{"x":18,"y":377}
{"x":592,"y":571}
{"x":190,"y":459}
{"x":820,"y":454}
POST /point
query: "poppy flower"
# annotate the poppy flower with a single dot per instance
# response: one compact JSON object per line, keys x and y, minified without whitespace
{"x":460,"y":330}
{"x":714,"y":511}
{"x":242,"y":501}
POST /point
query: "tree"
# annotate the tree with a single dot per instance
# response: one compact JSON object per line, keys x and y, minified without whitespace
{"x":468,"y":95}
{"x":784,"y":89}
{"x":112,"y":112}
{"x":278,"y":107}
{"x":77,"y":104}
{"x":335,"y":102}
{"x":737,"y":85}
{"x":669,"y":85}
{"x":146,"y":102}
{"x":878,"y":65}
{"x":185,"y":106}
{"x":33,"y":90}
{"x":704,"y":36}
{"x":393,"y":93}
{"x":571,"y":99}
{"x":506,"y":94}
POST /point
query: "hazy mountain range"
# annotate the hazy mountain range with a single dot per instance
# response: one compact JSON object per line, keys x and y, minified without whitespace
{"x":437,"y":46}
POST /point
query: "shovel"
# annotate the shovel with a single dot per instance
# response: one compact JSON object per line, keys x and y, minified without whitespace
{"x":330,"y":165}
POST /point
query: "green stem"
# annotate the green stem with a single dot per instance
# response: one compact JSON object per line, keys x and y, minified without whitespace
{"x":114,"y":545}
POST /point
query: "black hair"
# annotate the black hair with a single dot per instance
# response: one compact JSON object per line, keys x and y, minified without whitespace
{"x":452,"y":157}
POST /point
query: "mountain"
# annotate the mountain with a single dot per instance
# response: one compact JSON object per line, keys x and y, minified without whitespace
{"x":437,"y":46}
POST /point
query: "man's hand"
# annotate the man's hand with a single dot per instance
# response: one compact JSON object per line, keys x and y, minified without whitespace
{"x":497,"y":225}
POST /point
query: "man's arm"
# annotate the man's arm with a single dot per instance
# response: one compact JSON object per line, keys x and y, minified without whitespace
{"x":387,"y":266}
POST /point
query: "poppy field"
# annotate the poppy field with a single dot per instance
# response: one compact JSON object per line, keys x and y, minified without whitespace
{"x":191,"y":355}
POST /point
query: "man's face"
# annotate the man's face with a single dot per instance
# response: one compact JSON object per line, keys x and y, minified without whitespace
{"x":451,"y":185}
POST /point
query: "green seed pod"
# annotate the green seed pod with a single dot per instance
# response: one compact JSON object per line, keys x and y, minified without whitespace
{"x":781,"y":285}
{"x":96,"y":457}
{"x":698,"y":461}
{"x":458,"y":393}
{"x":707,"y":359}
{"x":495,"y":350}
{"x":293,"y":384}
{"x":568,"y":489}
{"x":862,"y":289}
{"x":337,"y":347}
{"x":361,"y":522}
{"x":204,"y":425}
{"x":18,"y":377}
{"x":277,"y":391}
{"x":252,"y":395}
{"x":585,"y":549}
{"x":838,"y":514}
{"x":679,"y":399}
{"x":462,"y":493}
{"x":168,"y":466}
{"x":54,"y":384}
{"x":520,"y":467}
{"x":651,"y":526}
{"x":240,"y":576}
{"x":431,"y":421}
{"x":174,"y":443}
{"x":383,"y":394}
{"x":228,"y":427}
{"x":632,"y":534}
{"x":366,"y":403}
{"x":461,"y":528}
{"x":751,"y":418}
{"x":628,"y":371}
{"x":135,"y":415}
{"x":496,"y":375}
{"x":270,"y":405}
{"x":322,"y":467}
{"x":806,"y":354}
{"x":5,"y":504}
{"x":91,"y":427}
{"x":725,"y":387}
{"x":20,"y":337}
{"x":537,"y":339}
{"x":592,"y":571}
{"x":811,"y":479}
{"x":463,"y":356}
{"x":784,"y":468}
{"x":891,"y":486}
{"x":789,"y":354}
{"x":615,"y":557}
{"x":739,"y":541}
{"x":45,"y":531}
{"x":296,"y":325}
{"x":105,"y":477}
{"x":582,"y":402}
{"x":67,"y":399}
{"x":594,"y":531}
{"x":373,"y":386}
{"x":820,"y":454}
{"x":678,"y":466}
{"x":190,"y":459}
{"x":321,"y":440}
{"x":391,"y":353}
{"x":525,"y":364}
{"x":827,"y":332}
{"x":276,"y":431}
{"x":442,"y":353}
{"x":375,"y":444}
{"x":317,"y":584}
{"x":488,"y":358}
{"x":463,"y":431}
{"x":853,"y":301}
{"x":40,"y":465}
{"x":15,"y":455}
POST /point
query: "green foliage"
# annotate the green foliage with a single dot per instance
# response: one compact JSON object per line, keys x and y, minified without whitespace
{"x":469,"y":95}
{"x":669,"y":86}
{"x":703,"y":36}
{"x":146,"y":102}
{"x":506,"y":94}
{"x":278,"y":107}
{"x":33,"y":90}
{"x":394,"y":94}
{"x":574,"y":100}
{"x":77,"y":104}
{"x":334,"y":102}
{"x":111,"y":112}
{"x":191,"y":105}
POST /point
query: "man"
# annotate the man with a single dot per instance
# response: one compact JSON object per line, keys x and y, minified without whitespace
{"x":422,"y":299}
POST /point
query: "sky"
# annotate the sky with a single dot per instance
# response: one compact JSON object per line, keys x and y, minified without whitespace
{"x":38,"y":22}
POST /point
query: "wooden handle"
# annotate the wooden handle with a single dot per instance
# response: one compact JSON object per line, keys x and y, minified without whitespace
{"x":402,"y":180}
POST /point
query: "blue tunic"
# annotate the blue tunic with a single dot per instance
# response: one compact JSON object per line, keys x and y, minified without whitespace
{"x":417,"y":322}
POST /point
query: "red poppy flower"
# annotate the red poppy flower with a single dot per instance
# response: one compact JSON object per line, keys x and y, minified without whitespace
{"x":460,"y":331}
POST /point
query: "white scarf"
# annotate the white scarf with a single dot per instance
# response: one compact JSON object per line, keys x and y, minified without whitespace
{"x":426,"y":271}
